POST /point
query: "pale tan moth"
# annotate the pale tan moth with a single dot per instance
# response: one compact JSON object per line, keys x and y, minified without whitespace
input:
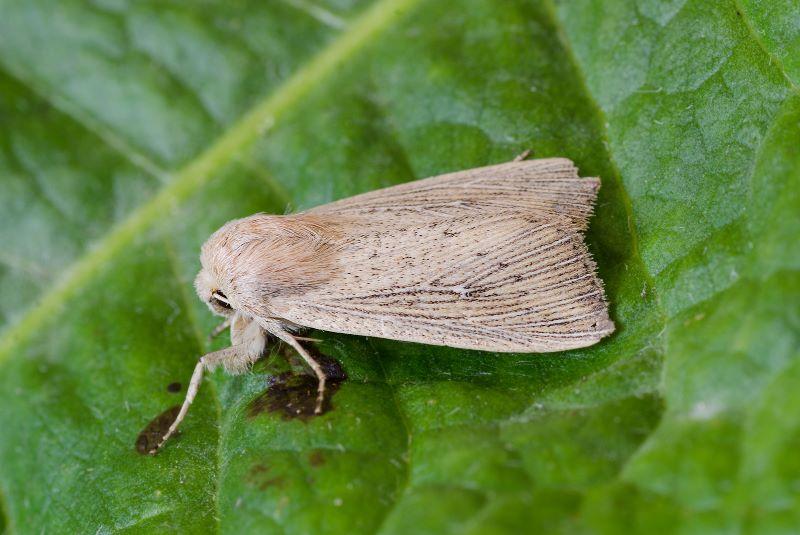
{"x":490,"y":259}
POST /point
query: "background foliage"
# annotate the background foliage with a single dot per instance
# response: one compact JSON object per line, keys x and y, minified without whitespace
{"x":131,"y":130}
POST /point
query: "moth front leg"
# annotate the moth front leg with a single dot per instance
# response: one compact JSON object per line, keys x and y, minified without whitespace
{"x":220,"y":328}
{"x":206,"y":362}
{"x":522,"y":155}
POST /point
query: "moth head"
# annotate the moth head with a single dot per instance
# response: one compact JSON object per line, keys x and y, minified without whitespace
{"x":209,"y":291}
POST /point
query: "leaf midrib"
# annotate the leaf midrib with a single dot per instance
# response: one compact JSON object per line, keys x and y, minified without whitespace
{"x":201,"y":169}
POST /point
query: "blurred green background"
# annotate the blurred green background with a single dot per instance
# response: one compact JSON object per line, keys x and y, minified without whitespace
{"x":130,"y":130}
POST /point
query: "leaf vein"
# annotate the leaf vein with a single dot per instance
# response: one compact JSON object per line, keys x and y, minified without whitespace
{"x":401,"y":491}
{"x":199,"y":171}
{"x":754,"y":35}
{"x":82,"y":117}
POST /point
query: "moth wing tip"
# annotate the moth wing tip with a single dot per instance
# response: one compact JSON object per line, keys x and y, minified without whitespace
{"x":605,"y":326}
{"x":562,"y":160}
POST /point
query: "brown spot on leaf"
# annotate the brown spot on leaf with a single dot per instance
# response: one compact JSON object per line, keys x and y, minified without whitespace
{"x":174,"y":388}
{"x":295,"y":395}
{"x":259,"y":477}
{"x":151,"y":435}
{"x":316,"y":458}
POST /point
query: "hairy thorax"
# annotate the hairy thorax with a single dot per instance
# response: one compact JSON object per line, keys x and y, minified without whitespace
{"x":259,"y":257}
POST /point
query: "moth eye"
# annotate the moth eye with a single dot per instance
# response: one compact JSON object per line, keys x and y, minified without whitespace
{"x":221,"y":299}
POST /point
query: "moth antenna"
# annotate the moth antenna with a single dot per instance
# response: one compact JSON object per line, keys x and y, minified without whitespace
{"x":320,"y":373}
{"x":219,"y":297}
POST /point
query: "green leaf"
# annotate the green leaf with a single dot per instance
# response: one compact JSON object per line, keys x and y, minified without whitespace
{"x":132,"y":130}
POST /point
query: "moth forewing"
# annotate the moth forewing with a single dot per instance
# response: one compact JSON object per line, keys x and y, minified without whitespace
{"x":547,"y":187}
{"x":497,"y":282}
{"x":490,"y":258}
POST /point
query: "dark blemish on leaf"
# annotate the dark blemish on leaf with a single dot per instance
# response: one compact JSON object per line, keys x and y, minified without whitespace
{"x":258,"y":477}
{"x":316,"y":458}
{"x":151,"y":435}
{"x":174,"y":388}
{"x":257,"y":469}
{"x":295,"y":395}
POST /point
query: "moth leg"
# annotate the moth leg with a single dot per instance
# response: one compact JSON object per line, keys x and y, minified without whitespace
{"x":220,"y":328}
{"x":207,"y":361}
{"x":522,"y":156}
{"x":320,"y":373}
{"x":306,"y":339}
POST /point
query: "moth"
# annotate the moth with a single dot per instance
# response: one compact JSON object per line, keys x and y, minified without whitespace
{"x":490,"y":259}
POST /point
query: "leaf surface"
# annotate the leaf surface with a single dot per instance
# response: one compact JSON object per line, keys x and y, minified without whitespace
{"x":131,"y":131}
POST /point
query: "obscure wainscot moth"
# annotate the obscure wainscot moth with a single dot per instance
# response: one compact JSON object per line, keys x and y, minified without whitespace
{"x":490,"y":259}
